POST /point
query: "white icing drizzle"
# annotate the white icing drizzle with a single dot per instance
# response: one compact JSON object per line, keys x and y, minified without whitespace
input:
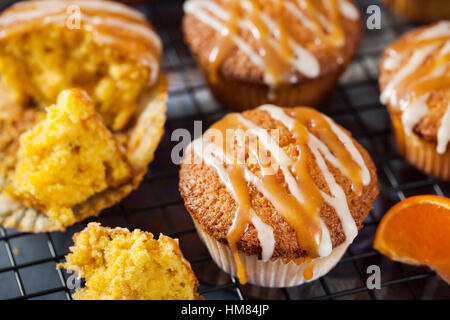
{"x":12,"y":17}
{"x":106,"y":6}
{"x":338,"y":200}
{"x":285,"y":162}
{"x":446,"y":48}
{"x":444,"y":132}
{"x":441,"y":29}
{"x":349,"y":10}
{"x":413,"y":112}
{"x":303,"y":61}
{"x":280,"y":156}
{"x":115,"y":23}
{"x":54,"y":11}
{"x":348,"y":143}
{"x":278,"y":153}
{"x":278,"y":114}
{"x":213,"y":15}
{"x":299,"y":14}
{"x":389,"y":93}
{"x":417,"y":108}
{"x":196,"y":8}
{"x":392,"y":61}
{"x":324,"y":243}
{"x":345,"y":7}
{"x":265,"y":236}
{"x":215,"y":157}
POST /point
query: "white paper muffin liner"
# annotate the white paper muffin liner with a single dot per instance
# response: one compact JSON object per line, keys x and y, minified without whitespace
{"x":273,"y":273}
{"x":420,"y":153}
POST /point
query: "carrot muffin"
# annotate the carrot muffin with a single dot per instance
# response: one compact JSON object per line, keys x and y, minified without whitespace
{"x":66,"y":158}
{"x":283,"y":52}
{"x":103,"y":47}
{"x":69,"y":166}
{"x":415,"y":85}
{"x":112,"y":53}
{"x":277,"y":194}
{"x":121,"y":265}
{"x":420,"y":10}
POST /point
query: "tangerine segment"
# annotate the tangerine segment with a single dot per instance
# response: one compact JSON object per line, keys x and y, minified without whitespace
{"x":417,"y":231}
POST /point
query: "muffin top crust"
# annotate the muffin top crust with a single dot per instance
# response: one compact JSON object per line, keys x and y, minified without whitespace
{"x":415,"y":82}
{"x":273,"y":42}
{"x":278,"y":183}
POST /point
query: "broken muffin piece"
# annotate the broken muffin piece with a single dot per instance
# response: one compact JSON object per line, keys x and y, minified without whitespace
{"x":113,"y":54}
{"x":66,"y":158}
{"x":122,"y":265}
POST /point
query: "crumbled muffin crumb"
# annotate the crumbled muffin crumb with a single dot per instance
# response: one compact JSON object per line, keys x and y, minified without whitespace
{"x":122,"y":265}
{"x":66,"y":158}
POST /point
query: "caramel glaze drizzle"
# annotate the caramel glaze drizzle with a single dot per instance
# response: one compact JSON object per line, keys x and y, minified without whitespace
{"x":336,"y":36}
{"x":419,"y":82}
{"x":307,"y":227}
{"x":242,"y":217}
{"x":415,"y":82}
{"x":411,"y":87}
{"x":277,"y":59}
{"x":303,"y":217}
{"x":315,"y":119}
{"x":226,"y":43}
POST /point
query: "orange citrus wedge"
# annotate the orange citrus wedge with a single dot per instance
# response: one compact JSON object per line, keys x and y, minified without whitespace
{"x":417,"y":231}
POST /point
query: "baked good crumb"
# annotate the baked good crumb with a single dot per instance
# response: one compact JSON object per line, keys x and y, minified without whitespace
{"x":66,"y":158}
{"x":113,"y":55}
{"x":122,"y":265}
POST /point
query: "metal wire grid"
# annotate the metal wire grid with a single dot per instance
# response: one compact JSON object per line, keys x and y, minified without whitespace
{"x":27,"y":261}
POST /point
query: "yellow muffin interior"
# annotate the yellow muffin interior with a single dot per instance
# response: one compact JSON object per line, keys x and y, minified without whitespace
{"x":67,"y":157}
{"x":122,"y":265}
{"x":37,"y":65}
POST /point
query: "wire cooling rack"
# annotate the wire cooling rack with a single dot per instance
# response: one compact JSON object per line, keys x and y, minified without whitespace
{"x":27,"y":261}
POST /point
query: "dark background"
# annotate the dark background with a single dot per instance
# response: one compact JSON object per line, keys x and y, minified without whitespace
{"x":27,"y":261}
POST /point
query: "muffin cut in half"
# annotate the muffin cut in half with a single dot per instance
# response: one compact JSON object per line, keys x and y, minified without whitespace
{"x":277,"y":194}
{"x":121,"y":265}
{"x":284,"y":52}
{"x":419,"y":10}
{"x":415,"y":85}
{"x":66,"y":158}
{"x":102,"y":47}
{"x":111,"y":52}
{"x":63,"y":166}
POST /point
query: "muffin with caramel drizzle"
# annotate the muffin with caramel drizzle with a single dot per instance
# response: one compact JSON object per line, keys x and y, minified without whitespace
{"x":63,"y":160}
{"x":285,"y":52}
{"x":415,"y":85}
{"x":105,"y":48}
{"x":419,"y":10}
{"x":277,"y":194}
